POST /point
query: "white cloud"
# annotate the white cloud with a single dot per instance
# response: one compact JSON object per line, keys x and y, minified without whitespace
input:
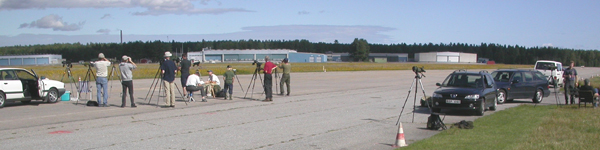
{"x":103,"y":31}
{"x":55,"y":22}
{"x":547,"y":45}
{"x":153,"y":7}
{"x":313,"y":33}
{"x":106,"y":16}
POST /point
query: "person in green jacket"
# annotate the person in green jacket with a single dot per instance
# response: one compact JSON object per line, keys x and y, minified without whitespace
{"x":287,"y":67}
{"x":228,"y":77}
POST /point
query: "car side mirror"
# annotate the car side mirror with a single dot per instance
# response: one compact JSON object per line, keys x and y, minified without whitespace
{"x":515,"y":81}
{"x":438,"y":84}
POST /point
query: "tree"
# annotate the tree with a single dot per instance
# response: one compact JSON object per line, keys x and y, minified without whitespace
{"x":359,"y":50}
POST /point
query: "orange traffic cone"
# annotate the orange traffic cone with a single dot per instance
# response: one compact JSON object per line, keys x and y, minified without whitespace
{"x":400,"y":142}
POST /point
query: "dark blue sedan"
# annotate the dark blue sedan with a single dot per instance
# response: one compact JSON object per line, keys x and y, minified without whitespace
{"x":520,"y":84}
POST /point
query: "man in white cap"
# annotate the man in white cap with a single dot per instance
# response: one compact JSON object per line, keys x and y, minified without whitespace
{"x":126,"y":68}
{"x":101,"y":81}
{"x":169,"y":69}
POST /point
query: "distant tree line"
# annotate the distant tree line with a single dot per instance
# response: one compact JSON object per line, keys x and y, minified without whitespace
{"x":508,"y":54}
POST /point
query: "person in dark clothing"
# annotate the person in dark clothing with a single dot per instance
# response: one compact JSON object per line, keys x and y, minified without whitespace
{"x":268,"y":69}
{"x":588,"y":87}
{"x":184,"y":68}
{"x":570,"y":82}
{"x":169,"y":69}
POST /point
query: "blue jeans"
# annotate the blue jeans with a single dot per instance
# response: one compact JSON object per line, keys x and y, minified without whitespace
{"x":102,"y":84}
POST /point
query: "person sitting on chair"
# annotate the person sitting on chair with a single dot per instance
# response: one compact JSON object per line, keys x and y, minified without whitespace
{"x":213,"y":82}
{"x":194,"y":83}
{"x":588,"y":87}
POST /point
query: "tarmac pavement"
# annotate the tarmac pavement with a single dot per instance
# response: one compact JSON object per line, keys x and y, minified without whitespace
{"x":326,"y":110}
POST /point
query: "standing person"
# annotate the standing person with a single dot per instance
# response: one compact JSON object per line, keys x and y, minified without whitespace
{"x":126,"y":67}
{"x":285,"y":78}
{"x":169,"y":70}
{"x":570,"y":82}
{"x":228,"y":77}
{"x":184,"y":68}
{"x":194,"y":83}
{"x":101,"y":81}
{"x":268,"y":69}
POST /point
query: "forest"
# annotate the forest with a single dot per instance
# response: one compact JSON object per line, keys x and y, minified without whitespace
{"x":501,"y":53}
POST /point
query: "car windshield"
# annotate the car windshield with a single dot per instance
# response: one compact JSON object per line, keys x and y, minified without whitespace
{"x":463,"y":80}
{"x":544,"y":65}
{"x":502,"y":76}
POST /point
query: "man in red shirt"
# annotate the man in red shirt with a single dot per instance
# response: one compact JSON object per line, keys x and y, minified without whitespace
{"x":268,"y":69}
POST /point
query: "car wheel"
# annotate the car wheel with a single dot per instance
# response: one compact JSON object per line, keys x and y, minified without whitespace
{"x":493,"y":107}
{"x":539,"y":96}
{"x":501,"y":97}
{"x":481,"y":108}
{"x":26,"y":102}
{"x":2,"y":99}
{"x":52,"y":96}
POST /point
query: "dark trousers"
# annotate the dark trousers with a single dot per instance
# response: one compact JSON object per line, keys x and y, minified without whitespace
{"x":184,"y":78}
{"x":127,"y":85}
{"x":569,"y":87}
{"x":285,"y":79}
{"x":191,"y":89}
{"x":228,"y":87}
{"x":269,"y":85}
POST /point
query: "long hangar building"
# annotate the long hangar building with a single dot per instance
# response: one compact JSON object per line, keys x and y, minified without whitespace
{"x":446,"y":57}
{"x":18,"y":60}
{"x":249,"y":55}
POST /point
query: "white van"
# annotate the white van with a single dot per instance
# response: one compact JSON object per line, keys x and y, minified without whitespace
{"x":544,"y":67}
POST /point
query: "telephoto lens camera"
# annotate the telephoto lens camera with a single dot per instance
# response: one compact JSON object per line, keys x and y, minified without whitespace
{"x":258,"y":64}
{"x":67,"y":64}
{"x":418,"y":69}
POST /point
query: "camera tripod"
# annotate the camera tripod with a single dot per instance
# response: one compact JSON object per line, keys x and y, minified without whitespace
{"x":158,"y":82}
{"x":85,"y":87}
{"x":253,"y":81}
{"x":238,"y":80}
{"x":112,"y":74}
{"x":418,"y":76}
{"x":555,"y":88}
{"x":277,"y":81}
{"x":70,"y":78}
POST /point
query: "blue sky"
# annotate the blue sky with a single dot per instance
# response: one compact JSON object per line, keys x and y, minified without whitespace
{"x":566,"y":24}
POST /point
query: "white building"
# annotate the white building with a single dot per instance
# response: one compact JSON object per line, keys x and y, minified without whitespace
{"x":249,"y":55}
{"x":446,"y":57}
{"x":18,"y":60}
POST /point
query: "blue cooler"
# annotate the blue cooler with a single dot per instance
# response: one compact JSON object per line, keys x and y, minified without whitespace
{"x":66,"y":96}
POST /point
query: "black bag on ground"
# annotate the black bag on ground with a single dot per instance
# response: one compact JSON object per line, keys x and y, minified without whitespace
{"x":92,"y":103}
{"x":220,"y":94}
{"x":464,"y":124}
{"x":433,"y":122}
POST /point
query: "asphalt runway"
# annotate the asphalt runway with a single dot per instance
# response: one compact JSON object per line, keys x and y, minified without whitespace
{"x":326,"y":110}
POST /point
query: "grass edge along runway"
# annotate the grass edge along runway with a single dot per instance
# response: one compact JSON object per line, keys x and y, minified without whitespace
{"x":148,"y":71}
{"x":525,"y":127}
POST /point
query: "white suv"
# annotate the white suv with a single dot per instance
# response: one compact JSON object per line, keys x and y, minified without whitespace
{"x":551,"y":69}
{"x":18,"y":84}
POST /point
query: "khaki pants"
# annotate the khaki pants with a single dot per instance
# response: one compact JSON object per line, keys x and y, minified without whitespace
{"x":170,"y":91}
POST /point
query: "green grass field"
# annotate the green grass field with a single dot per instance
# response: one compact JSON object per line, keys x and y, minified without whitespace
{"x":145,"y":71}
{"x":525,"y":127}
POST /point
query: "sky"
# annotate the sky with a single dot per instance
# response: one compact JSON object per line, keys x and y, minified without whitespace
{"x":573,"y":24}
